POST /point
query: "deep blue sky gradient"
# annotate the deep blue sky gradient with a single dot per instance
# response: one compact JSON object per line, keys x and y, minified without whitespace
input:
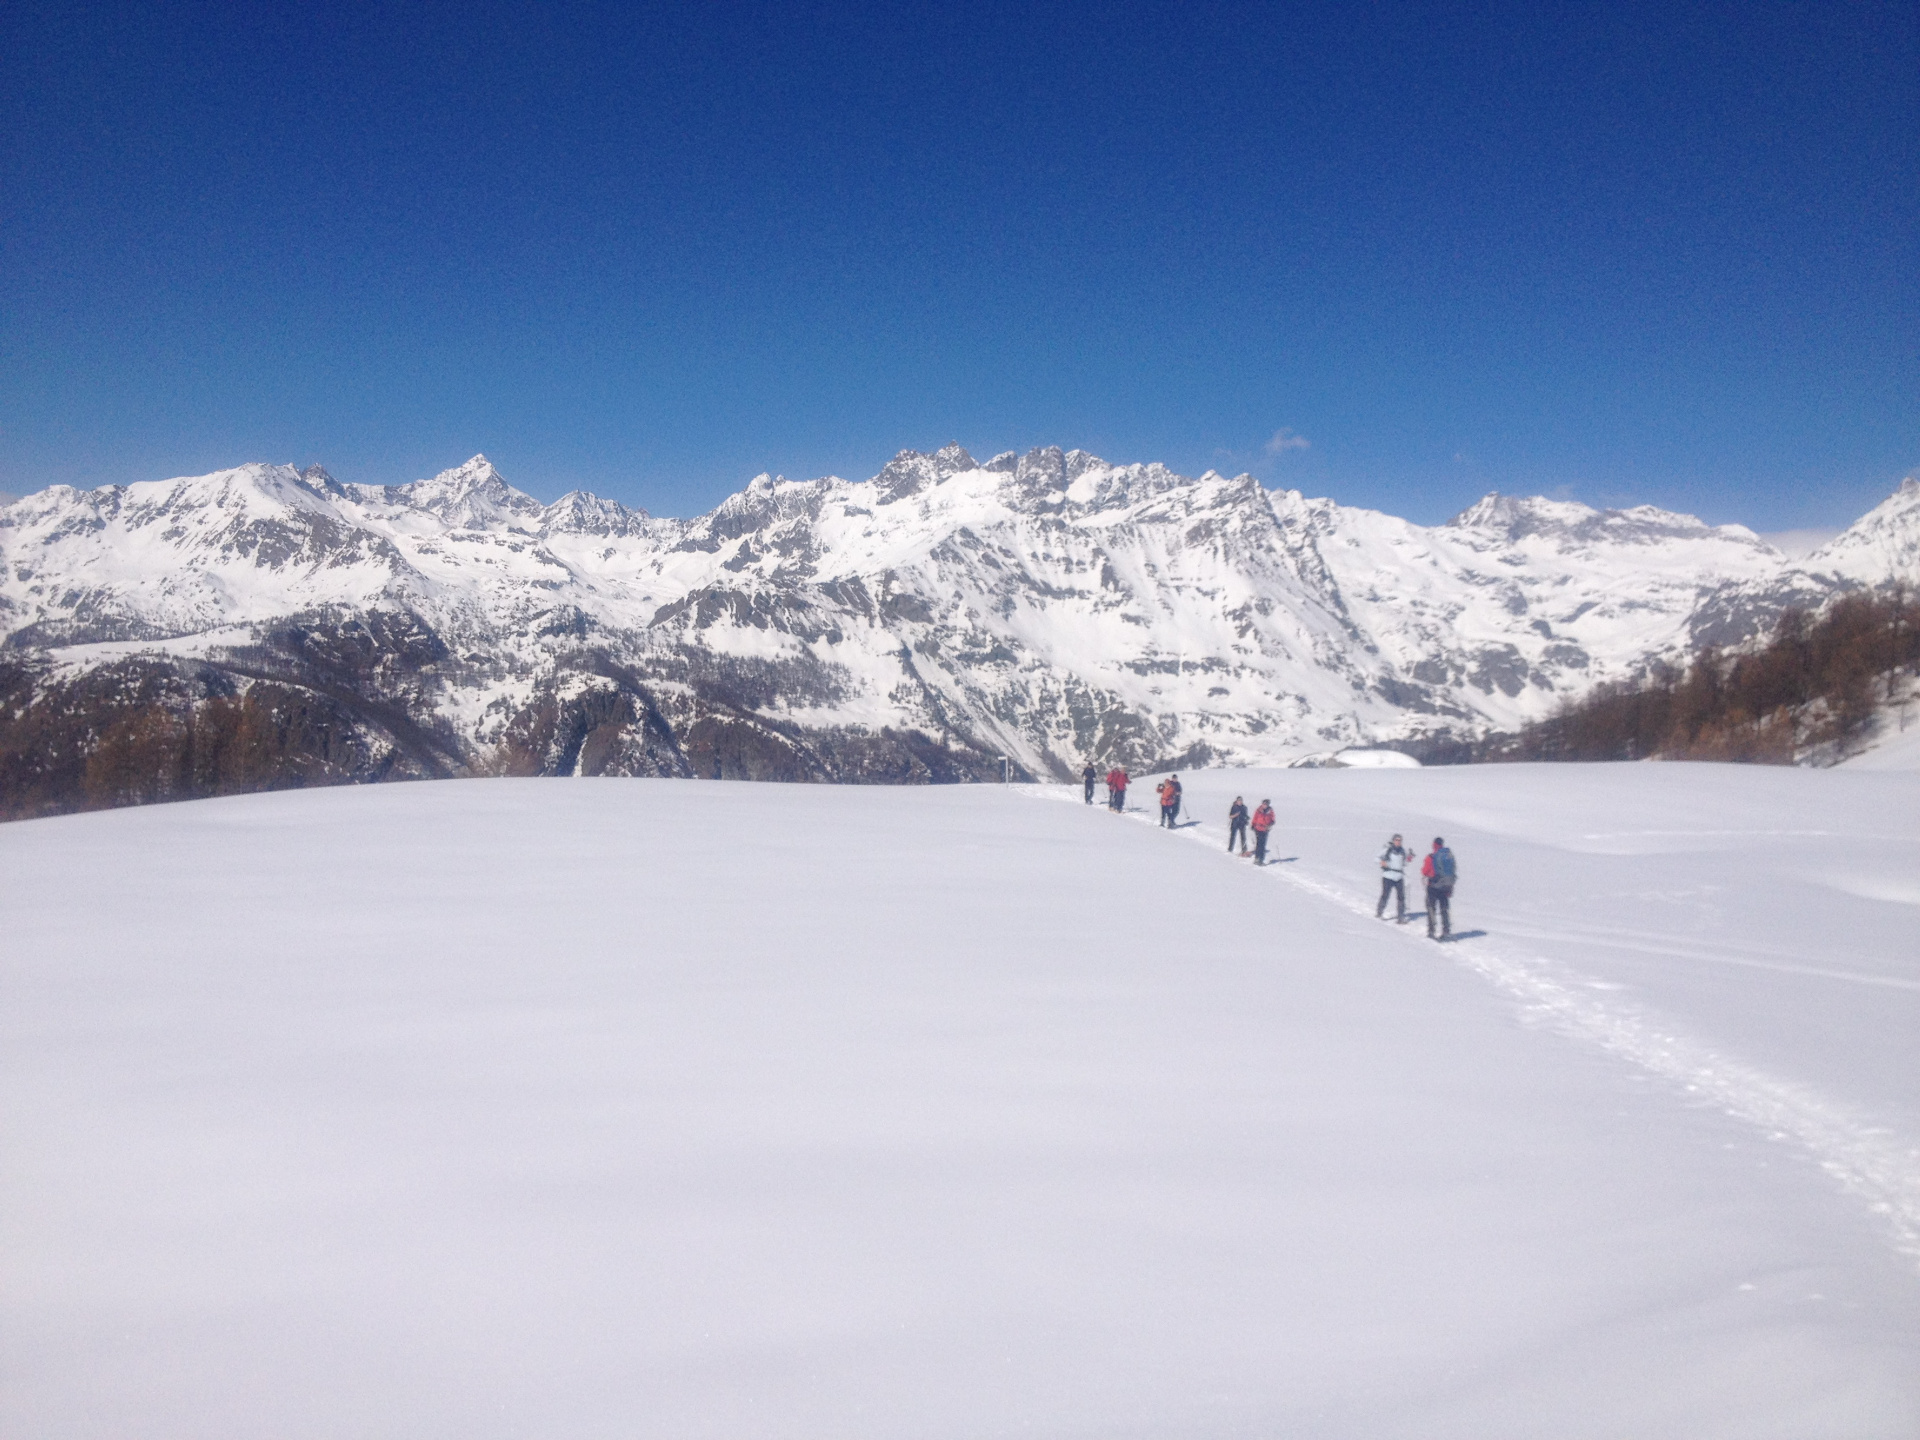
{"x":1662,"y":253}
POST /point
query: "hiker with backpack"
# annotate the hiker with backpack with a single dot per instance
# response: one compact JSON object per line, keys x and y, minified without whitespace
{"x":1237,"y":826}
{"x":1116,"y":789}
{"x":1393,"y":880}
{"x":1263,"y":821}
{"x":1169,"y":791}
{"x":1440,"y":873}
{"x":1087,"y":777}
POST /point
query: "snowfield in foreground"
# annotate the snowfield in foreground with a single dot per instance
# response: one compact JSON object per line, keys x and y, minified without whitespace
{"x":682,"y":1109}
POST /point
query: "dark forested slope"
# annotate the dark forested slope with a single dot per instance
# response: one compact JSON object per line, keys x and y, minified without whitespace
{"x":1814,"y":691}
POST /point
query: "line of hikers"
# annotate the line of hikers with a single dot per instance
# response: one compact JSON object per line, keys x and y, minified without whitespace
{"x":1437,"y":867}
{"x":1168,"y":790}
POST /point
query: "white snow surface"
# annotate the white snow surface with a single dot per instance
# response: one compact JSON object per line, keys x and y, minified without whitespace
{"x":1894,"y":749}
{"x":1025,"y":597}
{"x":1892,"y":742}
{"x":673,"y":1108}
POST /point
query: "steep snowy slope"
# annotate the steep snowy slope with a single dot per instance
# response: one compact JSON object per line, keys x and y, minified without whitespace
{"x":959,"y":1112}
{"x":925,"y":622}
{"x":1896,"y":750}
{"x":1518,"y":603}
{"x":1881,"y":548}
{"x":239,"y":547}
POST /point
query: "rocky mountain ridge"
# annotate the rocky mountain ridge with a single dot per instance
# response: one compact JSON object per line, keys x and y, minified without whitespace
{"x":916,"y":626}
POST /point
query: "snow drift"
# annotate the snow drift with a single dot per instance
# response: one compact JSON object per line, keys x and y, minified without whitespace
{"x":677,"y":1109}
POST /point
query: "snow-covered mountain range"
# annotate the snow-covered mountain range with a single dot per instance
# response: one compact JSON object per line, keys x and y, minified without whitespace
{"x":1046,"y":607}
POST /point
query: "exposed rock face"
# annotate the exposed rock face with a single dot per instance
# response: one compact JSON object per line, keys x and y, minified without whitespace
{"x":914,"y":627}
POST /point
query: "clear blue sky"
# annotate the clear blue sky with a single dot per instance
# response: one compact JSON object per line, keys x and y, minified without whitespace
{"x":1662,"y":253}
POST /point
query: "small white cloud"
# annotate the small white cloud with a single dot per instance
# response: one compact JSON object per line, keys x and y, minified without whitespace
{"x":1284,"y":440}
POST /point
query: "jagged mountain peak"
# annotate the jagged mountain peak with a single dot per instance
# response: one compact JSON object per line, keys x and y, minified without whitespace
{"x":1515,"y":515}
{"x":1039,"y":478}
{"x":1094,"y":484}
{"x":1513,"y":518}
{"x":318,"y":479}
{"x":472,"y":496}
{"x":953,"y":459}
{"x":1044,"y":467}
{"x":581,"y":512}
{"x":1044,"y":480}
{"x":474,"y":474}
{"x":911,"y":471}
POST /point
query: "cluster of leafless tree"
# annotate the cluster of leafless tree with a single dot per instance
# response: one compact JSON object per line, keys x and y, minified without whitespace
{"x":1818,"y":683}
{"x":150,"y":731}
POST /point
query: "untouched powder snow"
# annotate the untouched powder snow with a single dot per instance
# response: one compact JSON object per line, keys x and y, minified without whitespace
{"x":667,"y":1108}
{"x":1895,"y":743}
{"x":1898,"y":751}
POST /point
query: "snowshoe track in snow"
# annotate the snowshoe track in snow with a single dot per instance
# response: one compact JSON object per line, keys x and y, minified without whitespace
{"x":1876,"y":1167}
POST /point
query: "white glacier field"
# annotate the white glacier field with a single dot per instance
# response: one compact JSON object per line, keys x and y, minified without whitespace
{"x":668,"y":1108}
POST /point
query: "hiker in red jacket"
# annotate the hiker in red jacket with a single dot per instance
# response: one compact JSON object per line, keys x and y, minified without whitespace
{"x":1440,"y":872}
{"x":1263,"y":821}
{"x":1116,"y":789}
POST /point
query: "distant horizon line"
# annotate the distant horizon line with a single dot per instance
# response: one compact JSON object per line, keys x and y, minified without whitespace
{"x":1793,"y":541}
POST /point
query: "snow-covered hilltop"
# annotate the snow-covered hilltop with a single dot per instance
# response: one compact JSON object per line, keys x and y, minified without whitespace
{"x":916,"y":625}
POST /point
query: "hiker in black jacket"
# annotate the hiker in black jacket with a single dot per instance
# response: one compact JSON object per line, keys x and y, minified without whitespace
{"x":1237,"y":825}
{"x":1440,"y":873}
{"x":1087,"y":777}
